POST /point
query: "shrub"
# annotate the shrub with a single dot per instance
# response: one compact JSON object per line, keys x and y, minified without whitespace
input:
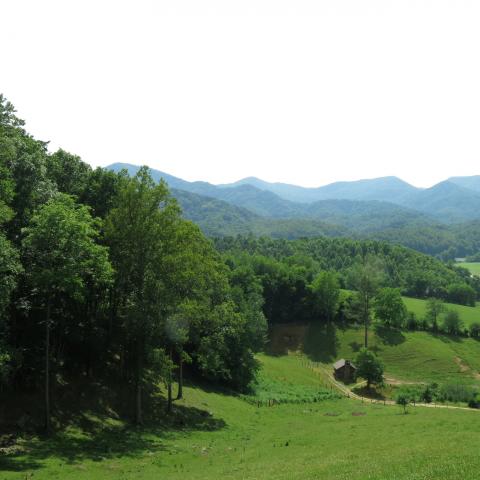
{"x":475,"y":330}
{"x":427,"y":394}
{"x":474,"y":403}
{"x":412,"y":322}
{"x":461,"y":293}
{"x":452,"y":323}
{"x":456,"y":392}
{"x":403,"y":400}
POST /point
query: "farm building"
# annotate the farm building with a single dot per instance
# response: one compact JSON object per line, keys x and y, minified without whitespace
{"x":344,"y":370}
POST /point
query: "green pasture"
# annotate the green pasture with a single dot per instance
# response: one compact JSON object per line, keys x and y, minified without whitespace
{"x":229,"y":438}
{"x":467,"y":314}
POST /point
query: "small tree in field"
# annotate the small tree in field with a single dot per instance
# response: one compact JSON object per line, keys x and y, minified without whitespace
{"x":452,"y":323}
{"x":403,"y":401}
{"x":474,"y":330}
{"x":366,"y":278}
{"x":435,"y":307}
{"x":427,"y":394}
{"x":369,"y":367}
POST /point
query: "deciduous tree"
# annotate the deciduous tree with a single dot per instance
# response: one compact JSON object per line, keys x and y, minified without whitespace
{"x":63,"y":257}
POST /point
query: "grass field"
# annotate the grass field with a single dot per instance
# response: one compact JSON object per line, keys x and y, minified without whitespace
{"x":334,"y":439}
{"x":467,"y":314}
{"x":474,"y":267}
{"x":419,"y":356}
{"x":408,"y":356}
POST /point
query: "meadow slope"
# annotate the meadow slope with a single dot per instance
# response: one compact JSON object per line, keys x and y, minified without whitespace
{"x":233,"y":439}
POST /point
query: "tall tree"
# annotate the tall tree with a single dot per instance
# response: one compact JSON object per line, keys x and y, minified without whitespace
{"x":435,"y":308}
{"x":389,"y":307}
{"x":69,"y":173}
{"x":366,"y":277}
{"x":63,"y":257}
{"x":326,"y":294}
{"x":139,"y":231}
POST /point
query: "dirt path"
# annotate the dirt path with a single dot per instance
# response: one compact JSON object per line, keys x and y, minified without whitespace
{"x":466,"y":368}
{"x":347,"y":392}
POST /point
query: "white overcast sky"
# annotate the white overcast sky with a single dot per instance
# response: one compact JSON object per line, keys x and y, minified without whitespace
{"x":305,"y":92}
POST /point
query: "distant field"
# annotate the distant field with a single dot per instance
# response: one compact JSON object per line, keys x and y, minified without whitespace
{"x":418,"y":356}
{"x":474,"y":267}
{"x":331,"y":440}
{"x":408,"y":356}
{"x":467,"y":314}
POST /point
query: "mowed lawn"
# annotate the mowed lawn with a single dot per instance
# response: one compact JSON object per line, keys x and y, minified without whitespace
{"x":336,"y":439}
{"x":467,"y":314}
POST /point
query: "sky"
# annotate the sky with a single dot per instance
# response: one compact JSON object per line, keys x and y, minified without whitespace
{"x":296,"y":91}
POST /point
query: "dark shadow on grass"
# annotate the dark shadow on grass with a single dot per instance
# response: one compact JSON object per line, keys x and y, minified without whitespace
{"x":355,"y":346}
{"x":443,"y":337}
{"x":95,"y":434}
{"x":369,"y":393}
{"x":285,"y":337}
{"x":389,"y":335}
{"x":321,"y":342}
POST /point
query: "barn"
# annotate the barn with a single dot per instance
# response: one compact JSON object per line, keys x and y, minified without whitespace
{"x":344,"y":370}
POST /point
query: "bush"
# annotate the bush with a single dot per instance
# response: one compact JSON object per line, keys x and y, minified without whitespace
{"x":412,"y":322}
{"x":456,"y":392}
{"x":427,"y":394}
{"x":475,"y":330}
{"x":267,"y":389}
{"x":474,"y":403}
{"x":461,"y":293}
{"x":452,"y":323}
{"x":402,"y":400}
{"x":424,"y":324}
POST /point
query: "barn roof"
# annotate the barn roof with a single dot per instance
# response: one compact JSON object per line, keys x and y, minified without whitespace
{"x":341,"y":363}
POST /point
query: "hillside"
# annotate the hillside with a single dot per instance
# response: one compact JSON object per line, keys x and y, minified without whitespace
{"x":416,"y":274}
{"x":472,"y":182}
{"x":228,"y":437}
{"x":217,"y":218}
{"x":409,"y":357}
{"x":417,"y":223}
{"x":447,"y":202}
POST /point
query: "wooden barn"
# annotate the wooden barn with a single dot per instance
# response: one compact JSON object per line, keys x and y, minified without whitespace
{"x":344,"y":370}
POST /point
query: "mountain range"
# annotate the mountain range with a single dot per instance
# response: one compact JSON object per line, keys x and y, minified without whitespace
{"x":381,"y":207}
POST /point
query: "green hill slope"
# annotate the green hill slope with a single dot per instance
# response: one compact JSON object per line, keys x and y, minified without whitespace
{"x":417,"y":357}
{"x":233,"y":439}
{"x":467,"y":314}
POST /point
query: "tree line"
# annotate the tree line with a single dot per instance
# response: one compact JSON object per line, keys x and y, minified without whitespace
{"x":102,"y":279}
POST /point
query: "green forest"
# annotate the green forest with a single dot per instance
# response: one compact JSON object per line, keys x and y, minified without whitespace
{"x":103,"y":282}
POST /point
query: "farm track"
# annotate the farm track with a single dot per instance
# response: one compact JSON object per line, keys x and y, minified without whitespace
{"x":347,"y":392}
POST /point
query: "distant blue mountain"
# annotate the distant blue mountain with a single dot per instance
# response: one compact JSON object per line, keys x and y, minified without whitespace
{"x":359,"y":204}
{"x":388,"y":189}
{"x":472,"y":183}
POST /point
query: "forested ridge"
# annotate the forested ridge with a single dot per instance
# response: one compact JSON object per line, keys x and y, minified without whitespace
{"x":361,"y":210}
{"x":105,"y":285}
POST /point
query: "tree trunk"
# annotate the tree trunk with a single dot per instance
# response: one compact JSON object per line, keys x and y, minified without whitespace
{"x":169,"y":386}
{"x":138,"y":400}
{"x":180,"y":378}
{"x":365,"y":320}
{"x":47,"y":368}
